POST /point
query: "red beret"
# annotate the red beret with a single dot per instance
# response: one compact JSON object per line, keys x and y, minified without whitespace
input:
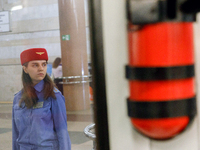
{"x":33,"y":54}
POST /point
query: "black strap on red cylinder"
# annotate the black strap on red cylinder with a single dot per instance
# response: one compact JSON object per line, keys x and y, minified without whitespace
{"x":159,"y":73}
{"x":162,"y":109}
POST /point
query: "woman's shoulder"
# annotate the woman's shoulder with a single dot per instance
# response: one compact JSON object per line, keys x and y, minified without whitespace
{"x":55,"y":90}
{"x":58,"y":94}
{"x":17,"y":96}
{"x":18,"y":93}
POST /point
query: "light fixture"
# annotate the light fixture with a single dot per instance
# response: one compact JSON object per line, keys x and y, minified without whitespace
{"x":16,"y":7}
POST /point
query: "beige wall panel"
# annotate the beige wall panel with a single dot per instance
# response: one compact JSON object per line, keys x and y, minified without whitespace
{"x":36,"y":12}
{"x":30,"y":41}
{"x":11,"y":61}
{"x":29,"y":35}
{"x":43,"y":24}
{"x":187,"y":140}
{"x":10,"y":81}
{"x":197,"y":66}
{"x":30,"y":3}
{"x":16,"y":61}
{"x":8,"y":4}
{"x":53,"y":49}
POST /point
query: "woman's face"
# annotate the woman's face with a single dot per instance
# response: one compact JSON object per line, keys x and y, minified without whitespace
{"x":36,"y":69}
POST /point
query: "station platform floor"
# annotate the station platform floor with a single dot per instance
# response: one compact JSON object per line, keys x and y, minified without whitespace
{"x":76,"y":120}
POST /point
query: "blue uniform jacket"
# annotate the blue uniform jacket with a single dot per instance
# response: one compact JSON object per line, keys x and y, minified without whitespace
{"x":43,"y":127}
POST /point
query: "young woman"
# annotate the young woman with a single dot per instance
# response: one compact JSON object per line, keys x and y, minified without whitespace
{"x":57,"y":72}
{"x":39,"y":120}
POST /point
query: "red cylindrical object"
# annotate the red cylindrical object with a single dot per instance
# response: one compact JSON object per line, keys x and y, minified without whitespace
{"x":161,"y":45}
{"x":90,"y":93}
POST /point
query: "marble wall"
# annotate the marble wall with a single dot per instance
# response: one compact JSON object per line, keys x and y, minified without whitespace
{"x":36,"y":25}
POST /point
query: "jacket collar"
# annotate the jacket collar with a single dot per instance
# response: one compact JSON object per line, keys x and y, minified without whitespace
{"x":39,"y":87}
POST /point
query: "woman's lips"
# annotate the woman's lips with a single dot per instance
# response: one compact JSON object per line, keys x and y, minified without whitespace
{"x":41,"y":74}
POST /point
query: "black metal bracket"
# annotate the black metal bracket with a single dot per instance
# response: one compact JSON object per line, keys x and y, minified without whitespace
{"x":153,"y":11}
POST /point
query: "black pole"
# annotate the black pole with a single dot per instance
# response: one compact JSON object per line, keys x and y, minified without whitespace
{"x":98,"y":76}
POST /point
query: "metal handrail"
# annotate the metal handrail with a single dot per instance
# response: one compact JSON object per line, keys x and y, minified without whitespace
{"x":68,"y":78}
{"x":74,"y":82}
{"x":90,"y":135}
{"x":74,"y":77}
{"x":87,"y":132}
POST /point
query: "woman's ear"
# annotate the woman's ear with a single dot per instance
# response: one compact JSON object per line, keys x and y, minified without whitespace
{"x":25,"y":69}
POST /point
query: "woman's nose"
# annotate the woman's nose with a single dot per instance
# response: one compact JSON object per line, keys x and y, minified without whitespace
{"x":41,"y":67}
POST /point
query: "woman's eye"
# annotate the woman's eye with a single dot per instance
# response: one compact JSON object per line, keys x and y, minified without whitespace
{"x":35,"y":65}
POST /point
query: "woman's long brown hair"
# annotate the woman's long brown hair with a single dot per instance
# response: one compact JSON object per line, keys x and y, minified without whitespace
{"x":28,"y":92}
